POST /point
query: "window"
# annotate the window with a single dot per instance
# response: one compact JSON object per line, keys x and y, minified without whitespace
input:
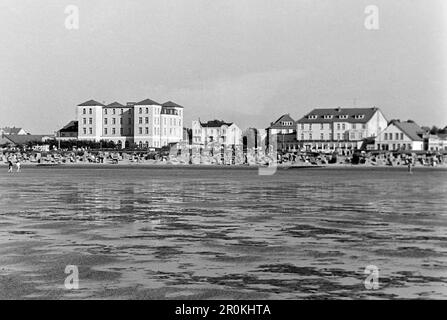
{"x":321,"y":136}
{"x":338,"y":126}
{"x":343,"y":126}
{"x":105,"y":131}
{"x":322,"y":126}
{"x":140,"y":120}
{"x":121,"y":111}
{"x":90,"y":130}
{"x":147,"y":110}
{"x":84,"y":120}
{"x":121,"y":120}
{"x":85,"y":130}
{"x":105,"y":111}
{"x":310,"y":136}
{"x":312,"y":116}
{"x":396,"y":136}
{"x":363,"y":126}
{"x":385,"y":136}
{"x":302,"y":136}
{"x":140,"y":130}
{"x":146,"y":120}
{"x":354,"y":126}
{"x":140,"y":110}
{"x":302,"y":126}
{"x":330,"y":136}
{"x":113,"y":111}
{"x":401,"y":136}
{"x":113,"y":131}
{"x":90,"y":111}
{"x":338,"y":136}
{"x":310,"y":126}
{"x":83,"y":111}
{"x":147,"y":130}
{"x":409,"y":146}
{"x":90,"y":120}
{"x":343,"y":116}
{"x":105,"y":120}
{"x":113,"y":120}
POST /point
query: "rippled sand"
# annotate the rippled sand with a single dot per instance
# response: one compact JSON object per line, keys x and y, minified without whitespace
{"x":209,"y":234}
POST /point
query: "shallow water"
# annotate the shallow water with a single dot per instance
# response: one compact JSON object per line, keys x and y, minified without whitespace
{"x":226,"y":233}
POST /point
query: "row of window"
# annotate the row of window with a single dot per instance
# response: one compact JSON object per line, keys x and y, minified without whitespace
{"x":330,"y":116}
{"x":106,"y":131}
{"x":339,"y":136}
{"x":397,"y":136}
{"x":174,"y":122}
{"x":340,"y":126}
{"x":394,"y":146}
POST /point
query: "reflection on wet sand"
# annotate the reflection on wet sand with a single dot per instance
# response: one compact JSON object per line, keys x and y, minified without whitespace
{"x":156,"y":233}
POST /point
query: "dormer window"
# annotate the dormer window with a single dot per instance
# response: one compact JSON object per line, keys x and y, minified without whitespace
{"x":312,"y":116}
{"x":343,"y":116}
{"x":328,"y":116}
{"x":359,"y":116}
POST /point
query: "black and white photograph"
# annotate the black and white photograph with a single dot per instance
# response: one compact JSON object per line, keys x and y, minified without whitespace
{"x":244,"y":151}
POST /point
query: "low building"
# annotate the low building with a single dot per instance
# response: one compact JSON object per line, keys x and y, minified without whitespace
{"x":437,"y":142}
{"x":68,"y":132}
{"x":339,"y":128}
{"x":216,"y":132}
{"x":405,"y":135}
{"x":21,"y":140}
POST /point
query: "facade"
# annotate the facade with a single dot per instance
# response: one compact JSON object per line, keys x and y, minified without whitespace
{"x":406,"y":135}
{"x":437,"y":142}
{"x":283,"y":132}
{"x":216,"y":131}
{"x":339,"y":128}
{"x":147,"y":123}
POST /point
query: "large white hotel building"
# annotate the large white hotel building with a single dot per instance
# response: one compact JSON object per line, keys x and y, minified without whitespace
{"x":146,"y":123}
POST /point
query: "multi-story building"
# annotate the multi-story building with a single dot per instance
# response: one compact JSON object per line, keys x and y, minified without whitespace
{"x":283,"y":133}
{"x":405,"y":135}
{"x":437,"y":142}
{"x":344,"y":128}
{"x":146,"y":123}
{"x":216,"y":131}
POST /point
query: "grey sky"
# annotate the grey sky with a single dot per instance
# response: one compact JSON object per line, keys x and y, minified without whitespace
{"x":246,"y":61}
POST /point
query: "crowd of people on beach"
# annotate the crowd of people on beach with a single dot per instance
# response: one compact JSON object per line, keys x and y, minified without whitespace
{"x":231,"y":156}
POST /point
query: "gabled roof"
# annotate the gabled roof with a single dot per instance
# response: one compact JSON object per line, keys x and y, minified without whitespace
{"x":442,"y":136}
{"x":70,"y":127}
{"x":13,"y":130}
{"x":171,"y":104}
{"x":21,"y":139}
{"x":147,"y":102}
{"x":410,"y":128}
{"x":278,"y":123}
{"x":91,"y":103}
{"x":215,"y":123}
{"x":115,"y":105}
{"x":350,"y":114}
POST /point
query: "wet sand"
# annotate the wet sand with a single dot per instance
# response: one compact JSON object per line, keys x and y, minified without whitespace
{"x":204,"y":234}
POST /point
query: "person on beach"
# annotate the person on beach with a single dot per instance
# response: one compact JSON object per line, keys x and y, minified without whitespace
{"x":10,"y":165}
{"x":18,"y":164}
